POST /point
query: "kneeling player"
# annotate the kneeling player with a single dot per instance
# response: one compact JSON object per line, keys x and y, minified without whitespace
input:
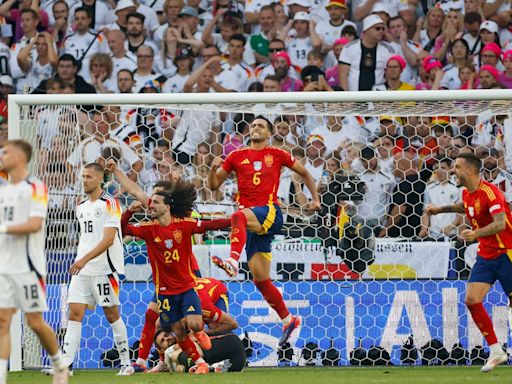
{"x":227,"y":353}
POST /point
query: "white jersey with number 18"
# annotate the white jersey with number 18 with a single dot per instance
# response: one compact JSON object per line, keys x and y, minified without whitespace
{"x":94,"y":217}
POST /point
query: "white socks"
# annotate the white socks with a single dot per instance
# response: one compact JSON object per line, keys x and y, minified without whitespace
{"x":121,"y":339}
{"x":58,"y":361}
{"x":3,"y":371}
{"x":71,"y":342}
{"x":496,"y":349}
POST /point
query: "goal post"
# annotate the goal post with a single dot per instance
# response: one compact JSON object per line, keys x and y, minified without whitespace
{"x":354,"y":285}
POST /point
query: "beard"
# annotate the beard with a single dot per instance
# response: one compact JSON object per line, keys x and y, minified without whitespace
{"x":281,"y":73}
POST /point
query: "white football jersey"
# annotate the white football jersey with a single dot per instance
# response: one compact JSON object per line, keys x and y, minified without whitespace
{"x":94,"y":217}
{"x":18,"y":203}
{"x":5,"y":54}
{"x":298,"y":50}
{"x":83,"y":47}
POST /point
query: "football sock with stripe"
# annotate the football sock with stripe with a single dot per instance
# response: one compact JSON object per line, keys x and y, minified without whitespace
{"x":190,"y":349}
{"x":121,"y":339}
{"x":238,"y":234}
{"x":483,"y":322}
{"x":72,"y":341}
{"x":273,"y":297}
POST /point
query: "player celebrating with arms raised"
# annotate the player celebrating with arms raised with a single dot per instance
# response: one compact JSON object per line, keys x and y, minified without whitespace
{"x":23,"y":205}
{"x":168,"y":239}
{"x":258,"y":169}
{"x":491,"y":223}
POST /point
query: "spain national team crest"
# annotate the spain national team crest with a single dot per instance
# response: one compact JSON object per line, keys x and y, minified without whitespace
{"x":269,"y":160}
{"x":168,"y":243}
{"x":471,"y":211}
{"x":477,"y":206}
{"x":257,"y":165}
{"x":178,"y":236}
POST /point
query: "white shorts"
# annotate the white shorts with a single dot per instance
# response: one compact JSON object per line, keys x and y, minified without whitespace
{"x":94,"y":290}
{"x":25,"y":291}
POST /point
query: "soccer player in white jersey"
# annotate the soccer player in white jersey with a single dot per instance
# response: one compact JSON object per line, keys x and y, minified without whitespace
{"x":23,"y":206}
{"x":95,"y":271}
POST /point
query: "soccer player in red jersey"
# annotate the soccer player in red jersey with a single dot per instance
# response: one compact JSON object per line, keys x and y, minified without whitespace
{"x":168,"y":239}
{"x":258,"y":169}
{"x":491,"y":223}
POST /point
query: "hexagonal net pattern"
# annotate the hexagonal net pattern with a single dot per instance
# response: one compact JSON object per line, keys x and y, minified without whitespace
{"x":373,"y":278}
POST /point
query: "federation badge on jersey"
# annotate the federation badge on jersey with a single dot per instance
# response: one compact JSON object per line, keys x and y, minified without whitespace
{"x":169,"y":243}
{"x":269,"y":160}
{"x":97,"y":212}
{"x":257,"y":165}
{"x":471,"y":211}
{"x":477,"y":206}
{"x":178,"y":236}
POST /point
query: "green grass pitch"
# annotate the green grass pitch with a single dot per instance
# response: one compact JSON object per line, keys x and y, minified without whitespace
{"x":348,"y":375}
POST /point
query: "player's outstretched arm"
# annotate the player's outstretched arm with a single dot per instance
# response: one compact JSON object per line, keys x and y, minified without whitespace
{"x":225,"y":324}
{"x":310,"y":183}
{"x":129,"y":185}
{"x":211,"y":225}
{"x":217,"y":174}
{"x":435,"y":210}
{"x":126,"y":228}
{"x":32,"y":225}
{"x":109,"y":234}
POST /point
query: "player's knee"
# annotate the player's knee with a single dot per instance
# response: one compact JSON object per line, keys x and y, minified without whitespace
{"x":112,"y":316}
{"x":4,"y":325}
{"x":35,"y":322}
{"x":471,"y":300}
{"x":195,"y":325}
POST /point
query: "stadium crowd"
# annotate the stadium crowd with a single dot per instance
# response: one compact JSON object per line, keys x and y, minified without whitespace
{"x":156,"y":46}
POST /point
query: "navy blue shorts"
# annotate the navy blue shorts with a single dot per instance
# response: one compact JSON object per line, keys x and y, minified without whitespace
{"x":173,"y":308}
{"x":197,"y":272}
{"x":488,"y":271}
{"x":223,"y":303}
{"x":271,"y":219}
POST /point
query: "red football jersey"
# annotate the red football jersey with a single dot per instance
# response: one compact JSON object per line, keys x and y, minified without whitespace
{"x":480,"y":207}
{"x":209,"y":291}
{"x":258,"y":173}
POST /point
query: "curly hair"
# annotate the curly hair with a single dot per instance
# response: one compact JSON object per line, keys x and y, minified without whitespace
{"x":180,"y":198}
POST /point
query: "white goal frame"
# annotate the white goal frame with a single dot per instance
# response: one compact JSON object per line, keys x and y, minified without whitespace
{"x":17,"y":102}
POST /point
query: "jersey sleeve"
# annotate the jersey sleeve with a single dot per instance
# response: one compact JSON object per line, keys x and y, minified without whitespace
{"x":229,"y":162}
{"x":38,"y":200}
{"x":209,"y":310}
{"x":496,"y":201}
{"x":114,"y":212}
{"x":287,"y":159}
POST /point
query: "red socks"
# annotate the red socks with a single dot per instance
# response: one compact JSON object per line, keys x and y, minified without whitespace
{"x":238,"y":234}
{"x":273,"y":297}
{"x":148,"y":333}
{"x":190,"y":349}
{"x":483,"y":322}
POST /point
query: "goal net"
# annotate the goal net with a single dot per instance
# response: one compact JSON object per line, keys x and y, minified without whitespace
{"x":373,"y":279}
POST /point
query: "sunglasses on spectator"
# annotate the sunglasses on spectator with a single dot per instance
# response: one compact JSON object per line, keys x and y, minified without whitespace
{"x":274,"y":50}
{"x":380,"y":28}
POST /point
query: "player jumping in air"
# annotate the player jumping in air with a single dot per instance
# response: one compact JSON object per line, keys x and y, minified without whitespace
{"x":168,"y":239}
{"x":23,"y":206}
{"x":491,"y":223}
{"x":258,"y":169}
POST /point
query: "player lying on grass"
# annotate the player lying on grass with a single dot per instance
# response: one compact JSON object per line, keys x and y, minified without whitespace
{"x":151,"y":316}
{"x":491,"y":222}
{"x":168,"y":239}
{"x":258,"y":170}
{"x":226,"y":354}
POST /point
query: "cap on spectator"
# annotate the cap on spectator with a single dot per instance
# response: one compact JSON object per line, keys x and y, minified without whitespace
{"x":340,"y":41}
{"x":309,"y":70}
{"x":301,"y":16}
{"x":430,"y":62}
{"x":492,"y":70}
{"x":151,"y":84}
{"x":183,"y":53}
{"x":380,"y":7}
{"x":123,"y":4}
{"x":188,"y":11}
{"x":6,"y":80}
{"x":370,"y":21}
{"x":336,"y":3}
{"x":492,"y":47}
{"x":507,"y":54}
{"x":490,"y":26}
{"x":399,"y":59}
{"x":282,"y":55}
{"x":368,"y":153}
{"x":304,"y":3}
{"x":312,"y":138}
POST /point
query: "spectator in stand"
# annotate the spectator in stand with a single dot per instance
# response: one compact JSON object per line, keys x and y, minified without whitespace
{"x":379,"y":185}
{"x":67,"y":69}
{"x":99,"y":11}
{"x":497,"y":176}
{"x":460,"y":57}
{"x":392,"y":75}
{"x":144,"y":72}
{"x":171,"y":9}
{"x":101,"y":72}
{"x":385,"y":147}
{"x":404,"y":214}
{"x":453,"y":28}
{"x":330,"y":30}
{"x":498,"y":11}
{"x":125,"y":81}
{"x":236,"y":75}
{"x":183,"y":62}
{"x":296,"y":6}
{"x":316,"y":58}
{"x":263,"y":70}
{"x":62,"y":26}
{"x":303,"y":40}
{"x":235,"y":140}
{"x":314,"y":162}
{"x":282,"y":64}
{"x":441,"y":191}
{"x":489,"y":33}
{"x":332,"y":73}
{"x":123,"y":9}
{"x":467,"y":76}
{"x":280,"y":139}
{"x":187,"y":31}
{"x":135,"y":33}
{"x":489,"y":55}
{"x":259,"y":42}
{"x":41,"y":66}
{"x":362,"y":8}
{"x":15,"y":16}
{"x":29,"y":20}
{"x":434,"y":70}
{"x":271,"y":84}
{"x":488,"y":77}
{"x":121,"y":58}
{"x":471,"y":35}
{"x":83,"y":44}
{"x":428,"y":29}
{"x":505,"y":77}
{"x":362,"y":62}
{"x":313,"y":79}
